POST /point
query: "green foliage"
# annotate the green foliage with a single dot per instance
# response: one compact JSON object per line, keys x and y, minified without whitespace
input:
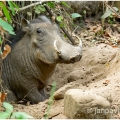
{"x":8,"y":107}
{"x":8,"y":113}
{"x":75,"y":15}
{"x":59,"y":18}
{"x":5,"y":23}
{"x":20,"y":115}
{"x":108,"y":13}
{"x":6,"y":26}
{"x":13,"y":7}
{"x":4,"y":115}
{"x":51,"y":4}
{"x":39,"y":9}
{"x":6,"y":12}
{"x":50,"y":100}
{"x":111,"y":19}
{"x":65,"y":4}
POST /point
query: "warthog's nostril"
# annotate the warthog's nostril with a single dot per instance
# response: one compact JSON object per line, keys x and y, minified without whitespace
{"x":75,"y":58}
{"x":72,"y":60}
{"x":80,"y":57}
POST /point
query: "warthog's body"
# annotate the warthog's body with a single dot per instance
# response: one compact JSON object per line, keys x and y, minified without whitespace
{"x":32,"y":60}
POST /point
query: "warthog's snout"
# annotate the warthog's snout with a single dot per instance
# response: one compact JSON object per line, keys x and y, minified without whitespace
{"x":67,"y":52}
{"x":75,"y":58}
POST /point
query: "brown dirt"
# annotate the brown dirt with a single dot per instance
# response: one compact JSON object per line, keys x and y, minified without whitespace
{"x":98,"y":71}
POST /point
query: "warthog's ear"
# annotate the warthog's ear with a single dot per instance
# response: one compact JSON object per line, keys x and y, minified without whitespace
{"x":25,"y":25}
{"x":43,"y":18}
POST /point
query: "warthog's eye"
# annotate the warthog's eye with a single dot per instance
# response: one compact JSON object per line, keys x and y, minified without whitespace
{"x":39,"y":31}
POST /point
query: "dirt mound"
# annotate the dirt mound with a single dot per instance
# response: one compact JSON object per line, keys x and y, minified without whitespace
{"x":98,"y":71}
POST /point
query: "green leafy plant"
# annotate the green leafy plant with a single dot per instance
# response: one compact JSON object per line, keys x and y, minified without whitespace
{"x":75,"y":15}
{"x":8,"y":113}
{"x":6,"y":12}
{"x":59,"y":18}
{"x":5,"y":22}
{"x":51,"y":4}
{"x":111,"y":19}
{"x":50,"y":102}
{"x":39,"y":9}
{"x":108,"y":13}
{"x":6,"y":26}
{"x":65,"y":4}
{"x":13,"y":7}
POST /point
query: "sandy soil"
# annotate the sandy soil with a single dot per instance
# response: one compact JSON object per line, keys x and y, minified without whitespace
{"x":98,"y":71}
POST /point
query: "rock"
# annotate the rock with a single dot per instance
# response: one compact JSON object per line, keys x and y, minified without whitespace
{"x":79,"y":104}
{"x":59,"y":94}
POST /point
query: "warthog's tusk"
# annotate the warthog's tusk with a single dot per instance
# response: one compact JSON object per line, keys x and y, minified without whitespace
{"x":56,"y":47}
{"x":80,"y":41}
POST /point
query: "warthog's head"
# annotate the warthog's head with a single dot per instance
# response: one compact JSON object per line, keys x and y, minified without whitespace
{"x":48,"y":43}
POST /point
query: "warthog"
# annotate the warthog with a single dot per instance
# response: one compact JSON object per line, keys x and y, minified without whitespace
{"x":33,"y":58}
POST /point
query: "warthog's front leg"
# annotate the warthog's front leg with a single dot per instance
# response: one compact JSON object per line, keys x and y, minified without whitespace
{"x":34,"y":96}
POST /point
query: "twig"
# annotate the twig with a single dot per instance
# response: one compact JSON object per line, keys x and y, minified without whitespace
{"x":75,"y":29}
{"x":74,"y":35}
{"x":67,"y":34}
{"x":8,"y":40}
{"x":33,"y":4}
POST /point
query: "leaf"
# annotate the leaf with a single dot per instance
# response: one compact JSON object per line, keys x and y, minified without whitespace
{"x":59,"y":18}
{"x":4,"y":115}
{"x":62,"y":25}
{"x":6,"y":12}
{"x":8,"y":107}
{"x":41,"y":8}
{"x":53,"y":89}
{"x":51,"y":4}
{"x":37,"y":10}
{"x":8,"y":111}
{"x":15,"y":5}
{"x":65,"y":4}
{"x":11,"y":7}
{"x":7,"y":50}
{"x":75,"y":15}
{"x":115,"y":8}
{"x":106,"y":14}
{"x":20,"y":115}
{"x":50,"y":100}
{"x":6,"y":26}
